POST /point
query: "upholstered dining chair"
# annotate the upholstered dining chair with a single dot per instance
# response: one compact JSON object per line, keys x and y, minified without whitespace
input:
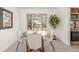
{"x":49,"y":37}
{"x":19,"y":34}
{"x":34,"y":43}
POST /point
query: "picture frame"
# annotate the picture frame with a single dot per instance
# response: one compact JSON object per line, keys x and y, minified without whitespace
{"x":6,"y":18}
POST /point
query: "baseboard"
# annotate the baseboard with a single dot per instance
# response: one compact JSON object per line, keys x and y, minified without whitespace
{"x":64,"y":42}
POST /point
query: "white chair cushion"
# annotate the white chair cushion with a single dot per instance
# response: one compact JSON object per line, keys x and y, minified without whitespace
{"x":34,"y":41}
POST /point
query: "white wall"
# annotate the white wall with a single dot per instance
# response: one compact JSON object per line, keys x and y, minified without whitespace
{"x":63,"y":31}
{"x":9,"y":36}
{"x":24,"y":11}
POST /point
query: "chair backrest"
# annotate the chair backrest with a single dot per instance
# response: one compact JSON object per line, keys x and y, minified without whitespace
{"x":19,"y":34}
{"x":50,"y":34}
{"x":34,"y":41}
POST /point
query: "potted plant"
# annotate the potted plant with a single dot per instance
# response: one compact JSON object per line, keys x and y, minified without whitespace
{"x":54,"y":22}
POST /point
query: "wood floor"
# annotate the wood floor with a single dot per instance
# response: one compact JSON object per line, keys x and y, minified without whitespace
{"x":61,"y":47}
{"x":58,"y":46}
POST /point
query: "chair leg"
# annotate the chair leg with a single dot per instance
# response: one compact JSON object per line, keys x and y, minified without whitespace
{"x":27,"y":47}
{"x":42,"y":44}
{"x":52,"y":46}
{"x":17,"y":45}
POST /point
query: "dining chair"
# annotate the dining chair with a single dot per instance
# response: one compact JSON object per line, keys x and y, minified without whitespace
{"x":19,"y":40}
{"x":34,"y":43}
{"x":49,"y":38}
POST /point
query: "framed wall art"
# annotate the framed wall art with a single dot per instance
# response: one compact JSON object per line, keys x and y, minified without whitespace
{"x":6,"y":18}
